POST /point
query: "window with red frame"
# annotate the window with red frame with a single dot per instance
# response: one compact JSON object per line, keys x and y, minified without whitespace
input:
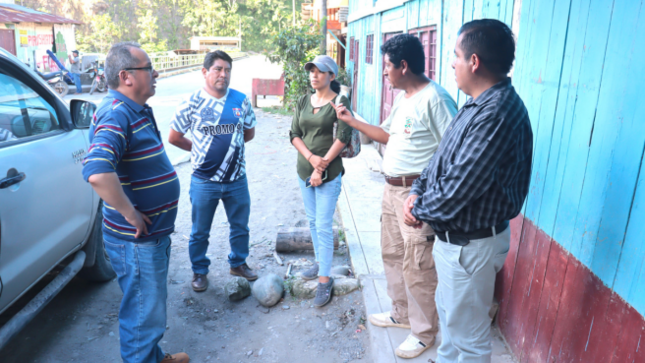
{"x":369,"y":51}
{"x":351,"y":48}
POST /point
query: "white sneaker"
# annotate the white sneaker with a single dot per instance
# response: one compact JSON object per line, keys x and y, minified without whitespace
{"x":412,"y":347}
{"x":385,"y":320}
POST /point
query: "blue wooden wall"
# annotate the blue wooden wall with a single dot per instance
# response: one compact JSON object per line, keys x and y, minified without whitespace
{"x":580,"y":72}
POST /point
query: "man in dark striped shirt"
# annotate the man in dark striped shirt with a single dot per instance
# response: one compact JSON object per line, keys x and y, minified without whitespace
{"x":476,"y":182}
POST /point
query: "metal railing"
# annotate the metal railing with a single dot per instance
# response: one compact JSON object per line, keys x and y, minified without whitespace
{"x":166,"y":63}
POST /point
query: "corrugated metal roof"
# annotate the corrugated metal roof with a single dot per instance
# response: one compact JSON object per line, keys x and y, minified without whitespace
{"x":11,"y":13}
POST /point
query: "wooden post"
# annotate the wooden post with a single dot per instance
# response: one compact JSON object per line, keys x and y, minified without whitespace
{"x":298,"y":239}
{"x":323,"y":12}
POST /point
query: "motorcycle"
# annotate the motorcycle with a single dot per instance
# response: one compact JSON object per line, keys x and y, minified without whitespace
{"x":56,"y":81}
{"x":99,"y":82}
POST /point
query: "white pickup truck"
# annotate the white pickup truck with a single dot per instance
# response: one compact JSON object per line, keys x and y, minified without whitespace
{"x":49,"y":216}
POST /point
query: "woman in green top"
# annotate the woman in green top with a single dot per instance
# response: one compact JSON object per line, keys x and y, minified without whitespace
{"x":319,"y":167}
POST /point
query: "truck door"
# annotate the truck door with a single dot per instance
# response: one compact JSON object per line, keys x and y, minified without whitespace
{"x":45,"y":205}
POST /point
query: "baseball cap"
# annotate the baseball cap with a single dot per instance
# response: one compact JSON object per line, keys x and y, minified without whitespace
{"x":324,"y":63}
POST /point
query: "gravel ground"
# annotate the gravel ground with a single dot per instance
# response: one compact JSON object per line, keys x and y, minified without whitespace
{"x":81,"y":324}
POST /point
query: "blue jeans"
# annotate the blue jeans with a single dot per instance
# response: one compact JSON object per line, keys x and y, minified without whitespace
{"x":76,"y":77}
{"x":320,"y":204}
{"x":205,"y":196}
{"x":142,"y":270}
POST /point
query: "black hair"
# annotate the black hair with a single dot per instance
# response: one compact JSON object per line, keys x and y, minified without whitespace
{"x":335,"y":86}
{"x":492,"y":41}
{"x":405,"y":47}
{"x":211,"y":57}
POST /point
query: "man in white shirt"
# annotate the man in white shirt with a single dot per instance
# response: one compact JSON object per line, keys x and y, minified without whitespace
{"x":412,"y":132}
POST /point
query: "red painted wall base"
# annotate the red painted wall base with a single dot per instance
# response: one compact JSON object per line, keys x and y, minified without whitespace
{"x":554,"y":309}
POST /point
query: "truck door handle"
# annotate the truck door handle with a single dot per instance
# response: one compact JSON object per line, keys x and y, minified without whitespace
{"x":9,"y":181}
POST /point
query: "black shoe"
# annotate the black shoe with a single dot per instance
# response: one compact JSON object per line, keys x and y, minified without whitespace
{"x":323,"y":293}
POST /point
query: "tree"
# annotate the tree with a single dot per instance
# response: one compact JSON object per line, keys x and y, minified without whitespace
{"x":293,"y":47}
{"x":104,"y":32}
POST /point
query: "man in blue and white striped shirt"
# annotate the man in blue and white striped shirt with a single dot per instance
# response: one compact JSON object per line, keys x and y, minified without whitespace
{"x":477,"y":181}
{"x":220,"y":120}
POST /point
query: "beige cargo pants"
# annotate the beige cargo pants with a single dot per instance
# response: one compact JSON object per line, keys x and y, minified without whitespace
{"x":409,"y":267}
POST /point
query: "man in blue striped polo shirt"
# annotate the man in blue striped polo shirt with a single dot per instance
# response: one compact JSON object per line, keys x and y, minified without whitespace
{"x":221,"y":120}
{"x":128,"y":168}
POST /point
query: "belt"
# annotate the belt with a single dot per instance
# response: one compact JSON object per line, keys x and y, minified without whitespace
{"x":401,"y":181}
{"x":463,"y":239}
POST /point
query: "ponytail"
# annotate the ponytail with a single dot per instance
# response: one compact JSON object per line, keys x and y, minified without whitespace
{"x":335,"y":86}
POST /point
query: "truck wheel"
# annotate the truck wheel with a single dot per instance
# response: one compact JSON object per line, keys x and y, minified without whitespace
{"x":102,"y":269}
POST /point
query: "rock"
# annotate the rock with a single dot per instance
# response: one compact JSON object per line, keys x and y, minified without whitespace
{"x":303,"y":289}
{"x":268,"y":289}
{"x":336,"y":276}
{"x":237,"y":288}
{"x":341,"y":270}
{"x":285,"y":307}
{"x":331,"y":325}
{"x":345,"y":286}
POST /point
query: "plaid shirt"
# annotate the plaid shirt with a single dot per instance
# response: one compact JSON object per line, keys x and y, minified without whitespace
{"x":480,"y":174}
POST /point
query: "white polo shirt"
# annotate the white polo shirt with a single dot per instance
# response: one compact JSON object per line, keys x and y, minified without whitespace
{"x":416,"y":125}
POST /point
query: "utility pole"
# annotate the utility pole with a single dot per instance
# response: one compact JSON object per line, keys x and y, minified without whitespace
{"x":294,"y":12}
{"x":323,"y":12}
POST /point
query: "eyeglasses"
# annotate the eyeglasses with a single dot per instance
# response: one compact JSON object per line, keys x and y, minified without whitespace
{"x":150,"y":69}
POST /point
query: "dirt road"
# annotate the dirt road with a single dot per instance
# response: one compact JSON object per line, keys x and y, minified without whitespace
{"x":81,"y":324}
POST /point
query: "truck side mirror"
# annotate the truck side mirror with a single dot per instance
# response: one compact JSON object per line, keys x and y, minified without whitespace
{"x":82,"y":113}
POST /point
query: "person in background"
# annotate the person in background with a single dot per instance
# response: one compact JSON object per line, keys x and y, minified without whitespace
{"x":75,"y":70}
{"x":319,"y":167}
{"x":419,"y":117}
{"x":476,"y":182}
{"x":221,"y":121}
{"x":128,"y":168}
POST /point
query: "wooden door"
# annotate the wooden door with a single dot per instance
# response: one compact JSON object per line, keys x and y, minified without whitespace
{"x":8,"y":40}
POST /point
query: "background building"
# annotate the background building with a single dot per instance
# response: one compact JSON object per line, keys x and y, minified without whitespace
{"x":214,"y":43}
{"x":573,"y":286}
{"x":28,"y":34}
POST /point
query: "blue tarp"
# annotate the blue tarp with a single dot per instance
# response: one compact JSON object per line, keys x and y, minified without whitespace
{"x":60,"y":65}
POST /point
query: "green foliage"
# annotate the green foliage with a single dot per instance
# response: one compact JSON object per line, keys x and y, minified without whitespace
{"x":104,"y":32}
{"x":161,"y":25}
{"x":344,"y":77}
{"x":288,"y":284}
{"x":293,"y":47}
{"x":277,"y":110}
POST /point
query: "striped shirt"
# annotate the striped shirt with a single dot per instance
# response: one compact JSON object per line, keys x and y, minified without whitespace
{"x":125,"y":139}
{"x":479,"y":176}
{"x":217,"y":126}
